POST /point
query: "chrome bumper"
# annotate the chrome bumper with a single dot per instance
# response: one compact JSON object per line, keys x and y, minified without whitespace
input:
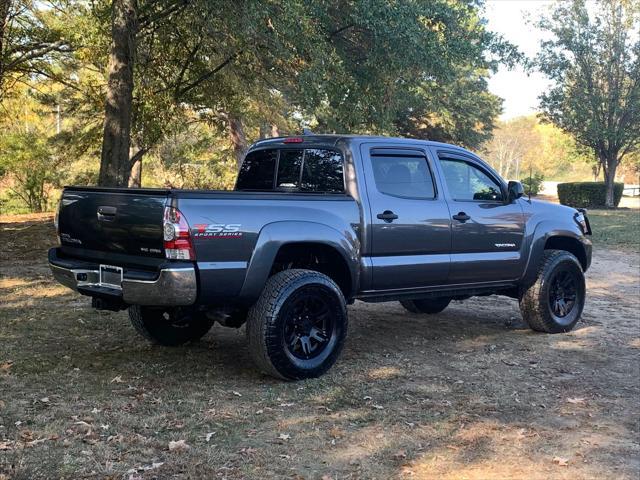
{"x":173,"y":287}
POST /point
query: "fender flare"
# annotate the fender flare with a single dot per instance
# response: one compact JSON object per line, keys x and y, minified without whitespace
{"x":275,"y":235}
{"x":543,"y":232}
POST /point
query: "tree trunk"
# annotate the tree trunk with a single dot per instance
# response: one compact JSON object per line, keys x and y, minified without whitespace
{"x":238,"y":138}
{"x":610,"y":178}
{"x":275,"y":131}
{"x":114,"y":160}
{"x":135,"y":177}
{"x":5,"y":5}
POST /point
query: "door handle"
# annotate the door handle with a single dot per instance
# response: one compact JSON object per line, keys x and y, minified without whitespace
{"x":388,"y":216}
{"x":106,"y":213}
{"x":461,"y":217}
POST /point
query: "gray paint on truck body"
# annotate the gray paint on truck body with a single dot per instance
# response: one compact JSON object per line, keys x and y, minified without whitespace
{"x":422,"y":252}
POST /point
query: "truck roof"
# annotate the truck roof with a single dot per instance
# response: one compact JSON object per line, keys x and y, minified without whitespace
{"x":333,"y":139}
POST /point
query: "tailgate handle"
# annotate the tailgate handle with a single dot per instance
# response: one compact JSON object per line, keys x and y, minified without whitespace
{"x":107,"y":214}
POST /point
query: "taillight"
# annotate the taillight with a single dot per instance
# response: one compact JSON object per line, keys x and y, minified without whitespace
{"x":177,"y":240}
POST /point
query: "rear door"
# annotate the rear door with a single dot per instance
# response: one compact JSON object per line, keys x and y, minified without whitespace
{"x":487,"y":232}
{"x":410,"y":224}
{"x":94,"y":221}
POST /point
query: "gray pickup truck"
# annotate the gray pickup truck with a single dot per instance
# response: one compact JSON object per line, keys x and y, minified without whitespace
{"x":314,"y":223}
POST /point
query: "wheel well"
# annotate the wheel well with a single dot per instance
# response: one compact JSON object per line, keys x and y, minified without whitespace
{"x":570,"y":245}
{"x":315,"y":256}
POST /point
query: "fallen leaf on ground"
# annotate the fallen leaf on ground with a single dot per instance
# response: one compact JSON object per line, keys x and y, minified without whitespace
{"x":563,"y":462}
{"x":44,"y":399}
{"x":117,"y":379}
{"x":575,"y":400}
{"x":5,"y":367}
{"x":6,"y":446}
{"x":209,"y":435}
{"x":178,"y":445}
{"x":237,"y":394}
{"x":378,"y":407}
{"x":284,"y":436}
{"x":399,"y":455}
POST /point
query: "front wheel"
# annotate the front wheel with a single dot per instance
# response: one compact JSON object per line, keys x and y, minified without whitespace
{"x":430,"y":305}
{"x":169,"y":326}
{"x":298,"y":326}
{"x":554,"y":303}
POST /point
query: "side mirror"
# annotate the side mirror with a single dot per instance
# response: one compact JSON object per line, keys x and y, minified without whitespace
{"x":515,"y":190}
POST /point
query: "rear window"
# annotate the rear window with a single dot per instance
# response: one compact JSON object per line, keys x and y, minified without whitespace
{"x":313,"y":170}
{"x":256,"y":172}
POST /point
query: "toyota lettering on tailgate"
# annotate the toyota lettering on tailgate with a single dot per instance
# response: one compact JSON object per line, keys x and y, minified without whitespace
{"x":217,"y":230}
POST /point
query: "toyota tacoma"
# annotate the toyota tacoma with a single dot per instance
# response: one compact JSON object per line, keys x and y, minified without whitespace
{"x":314,"y":223}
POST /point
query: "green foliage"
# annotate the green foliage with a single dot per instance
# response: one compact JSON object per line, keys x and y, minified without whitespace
{"x":587,"y":194}
{"x":26,"y":155}
{"x":532,"y":184}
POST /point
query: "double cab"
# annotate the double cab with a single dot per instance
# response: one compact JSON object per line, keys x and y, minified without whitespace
{"x":314,"y":223}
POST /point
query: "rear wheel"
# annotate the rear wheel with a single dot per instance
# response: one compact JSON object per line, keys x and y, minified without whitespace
{"x":169,"y":326}
{"x":554,"y":303}
{"x":430,"y":305}
{"x":298,"y":326}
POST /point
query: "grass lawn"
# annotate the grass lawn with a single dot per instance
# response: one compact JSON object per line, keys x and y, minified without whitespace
{"x":618,"y":229}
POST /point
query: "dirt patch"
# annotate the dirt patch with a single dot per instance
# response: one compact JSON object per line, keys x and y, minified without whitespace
{"x":469,"y":393}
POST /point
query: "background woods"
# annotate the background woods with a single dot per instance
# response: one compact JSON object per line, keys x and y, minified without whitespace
{"x":172,"y":92}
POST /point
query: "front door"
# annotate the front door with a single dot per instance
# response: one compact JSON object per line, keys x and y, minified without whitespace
{"x":487,"y":231}
{"x":410,"y":223}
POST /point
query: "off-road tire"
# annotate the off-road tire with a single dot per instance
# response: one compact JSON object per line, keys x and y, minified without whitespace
{"x":427,"y":305}
{"x":535,"y":300}
{"x":267,"y":321}
{"x":169,"y":326}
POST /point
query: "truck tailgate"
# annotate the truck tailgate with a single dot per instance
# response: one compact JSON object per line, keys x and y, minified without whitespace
{"x":123,"y":221}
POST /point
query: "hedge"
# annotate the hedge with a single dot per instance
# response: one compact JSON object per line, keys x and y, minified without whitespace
{"x":587,"y":194}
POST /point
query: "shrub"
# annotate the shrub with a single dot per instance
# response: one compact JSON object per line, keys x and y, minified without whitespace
{"x":587,"y":194}
{"x":532,"y":184}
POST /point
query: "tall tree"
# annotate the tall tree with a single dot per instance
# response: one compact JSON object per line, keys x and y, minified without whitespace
{"x":114,"y":159}
{"x":594,"y":61}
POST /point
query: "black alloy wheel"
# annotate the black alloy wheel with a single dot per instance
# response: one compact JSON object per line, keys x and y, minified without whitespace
{"x":298,"y":326}
{"x":563,"y":293}
{"x":309,"y":327}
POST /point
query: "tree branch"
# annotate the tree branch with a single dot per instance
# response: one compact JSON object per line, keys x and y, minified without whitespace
{"x":147,"y":20}
{"x":206,"y":76}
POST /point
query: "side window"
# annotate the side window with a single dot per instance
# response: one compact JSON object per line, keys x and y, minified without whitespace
{"x":407,"y":177}
{"x":322,"y":171}
{"x":257,"y":171}
{"x":467,"y":182}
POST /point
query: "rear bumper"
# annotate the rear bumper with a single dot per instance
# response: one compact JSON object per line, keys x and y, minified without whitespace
{"x":171,"y":286}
